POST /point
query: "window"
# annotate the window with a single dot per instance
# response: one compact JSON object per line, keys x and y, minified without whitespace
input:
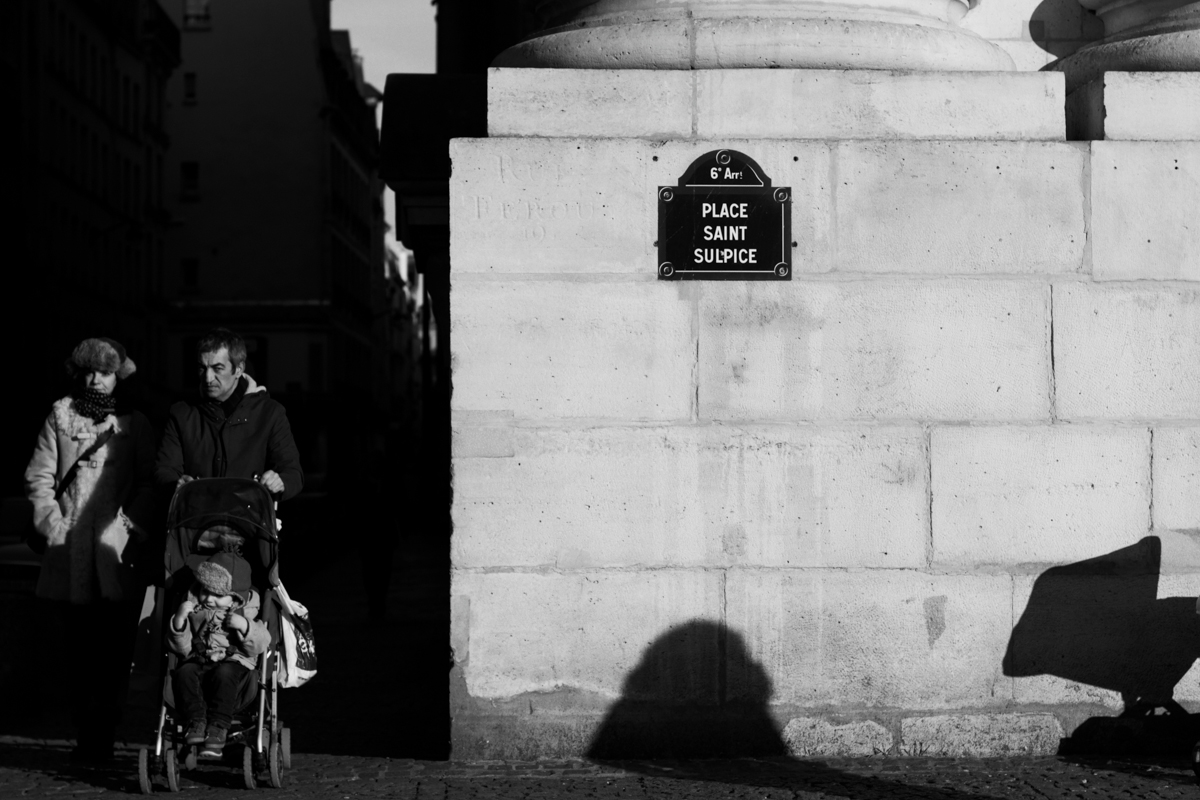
{"x":189,"y":88}
{"x":196,"y":15}
{"x":189,"y":177}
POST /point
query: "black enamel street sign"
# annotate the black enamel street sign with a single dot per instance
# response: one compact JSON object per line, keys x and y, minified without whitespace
{"x":724,"y":221}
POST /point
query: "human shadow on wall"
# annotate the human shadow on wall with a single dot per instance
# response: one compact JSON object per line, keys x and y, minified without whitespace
{"x":699,"y":699}
{"x":1099,"y":622}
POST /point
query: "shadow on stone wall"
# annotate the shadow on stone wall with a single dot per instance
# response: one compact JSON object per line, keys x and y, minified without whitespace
{"x":676,"y":702}
{"x":698,"y":698}
{"x":1099,"y":622}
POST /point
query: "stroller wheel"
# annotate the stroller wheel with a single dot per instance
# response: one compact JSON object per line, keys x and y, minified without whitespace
{"x":275,"y":765}
{"x":172,"y":759}
{"x":144,"y":782}
{"x":248,"y":767}
{"x":285,"y":743}
{"x":1196,"y":759}
{"x":189,"y":760}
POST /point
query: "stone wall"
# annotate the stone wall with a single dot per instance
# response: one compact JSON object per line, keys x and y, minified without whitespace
{"x":939,"y":493}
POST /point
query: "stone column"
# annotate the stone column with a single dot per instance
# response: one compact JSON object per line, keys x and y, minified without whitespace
{"x":733,"y":34}
{"x":1140,"y":36}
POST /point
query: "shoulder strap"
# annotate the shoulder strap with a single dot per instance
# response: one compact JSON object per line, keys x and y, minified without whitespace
{"x":69,"y":478}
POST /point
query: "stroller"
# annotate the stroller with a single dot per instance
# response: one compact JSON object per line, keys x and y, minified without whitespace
{"x":246,"y":513}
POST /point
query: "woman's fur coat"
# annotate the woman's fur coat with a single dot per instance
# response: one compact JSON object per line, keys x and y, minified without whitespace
{"x":94,"y":527}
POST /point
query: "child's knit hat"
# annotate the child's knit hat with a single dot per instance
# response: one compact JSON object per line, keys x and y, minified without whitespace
{"x":222,"y":574}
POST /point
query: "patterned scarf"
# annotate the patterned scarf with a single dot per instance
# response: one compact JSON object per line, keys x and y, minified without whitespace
{"x":93,"y":404}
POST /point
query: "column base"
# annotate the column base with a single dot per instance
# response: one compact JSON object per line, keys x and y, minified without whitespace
{"x":1170,"y":43}
{"x":663,"y":41}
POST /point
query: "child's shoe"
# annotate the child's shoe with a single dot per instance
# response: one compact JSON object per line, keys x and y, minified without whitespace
{"x":214,"y":743}
{"x":196,"y":731}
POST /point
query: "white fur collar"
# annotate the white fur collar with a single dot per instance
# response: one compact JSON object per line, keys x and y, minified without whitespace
{"x":71,"y":422}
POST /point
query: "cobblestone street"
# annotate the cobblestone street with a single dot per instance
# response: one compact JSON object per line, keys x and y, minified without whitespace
{"x":30,"y":768}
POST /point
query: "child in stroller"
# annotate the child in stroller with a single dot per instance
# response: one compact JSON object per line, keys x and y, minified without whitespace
{"x":220,"y":561}
{"x":217,"y":632}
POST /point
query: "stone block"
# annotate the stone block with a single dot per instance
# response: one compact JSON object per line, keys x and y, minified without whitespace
{"x":959,"y":207}
{"x":1144,"y":196}
{"x":877,"y":104}
{"x":807,"y":737}
{"x":1158,"y":106}
{"x":1180,"y":554}
{"x":981,"y":735}
{"x":638,"y":635}
{"x":869,"y":638}
{"x":590,"y":102}
{"x":1015,"y":495}
{"x":551,"y":205}
{"x":1027,"y":56}
{"x":885,"y":349}
{"x":1177,"y":478}
{"x":701,"y":496}
{"x":552,"y":349}
{"x":1127,"y":352}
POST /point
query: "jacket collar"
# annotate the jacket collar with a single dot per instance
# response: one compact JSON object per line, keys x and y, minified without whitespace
{"x":245,"y":397}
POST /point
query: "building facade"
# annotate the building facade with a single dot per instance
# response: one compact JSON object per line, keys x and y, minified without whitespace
{"x":278,"y":219}
{"x":86,"y":211}
{"x":931,"y":493}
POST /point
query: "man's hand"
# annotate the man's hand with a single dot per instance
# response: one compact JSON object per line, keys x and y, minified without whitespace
{"x":182,"y":480}
{"x":272,"y":481}
{"x":236,"y":622}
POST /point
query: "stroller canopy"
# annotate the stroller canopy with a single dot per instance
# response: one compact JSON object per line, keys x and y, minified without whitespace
{"x":238,"y":503}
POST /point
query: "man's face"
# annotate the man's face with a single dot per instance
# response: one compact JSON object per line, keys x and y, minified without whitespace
{"x":218,"y":376}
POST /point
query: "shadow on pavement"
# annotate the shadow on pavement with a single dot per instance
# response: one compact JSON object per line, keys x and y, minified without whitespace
{"x":381,"y":687}
{"x":1167,"y":769}
{"x":53,"y":760}
{"x":803,"y":775}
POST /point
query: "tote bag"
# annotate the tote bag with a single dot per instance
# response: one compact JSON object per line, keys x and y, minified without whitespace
{"x":298,"y":651}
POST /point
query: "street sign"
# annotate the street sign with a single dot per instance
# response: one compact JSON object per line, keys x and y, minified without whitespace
{"x":724,"y":221}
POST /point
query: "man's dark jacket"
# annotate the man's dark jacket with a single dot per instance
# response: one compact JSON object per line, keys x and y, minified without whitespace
{"x":202,"y":442}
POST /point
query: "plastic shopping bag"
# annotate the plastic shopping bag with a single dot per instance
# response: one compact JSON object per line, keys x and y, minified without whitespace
{"x":298,"y":651}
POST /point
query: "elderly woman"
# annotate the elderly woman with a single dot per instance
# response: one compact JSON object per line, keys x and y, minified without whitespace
{"x":91,"y":484}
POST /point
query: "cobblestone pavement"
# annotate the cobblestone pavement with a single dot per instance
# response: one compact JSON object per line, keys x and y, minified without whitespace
{"x":30,"y":768}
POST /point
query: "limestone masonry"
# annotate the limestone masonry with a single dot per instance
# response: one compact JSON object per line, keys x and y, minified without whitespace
{"x":939,"y":493}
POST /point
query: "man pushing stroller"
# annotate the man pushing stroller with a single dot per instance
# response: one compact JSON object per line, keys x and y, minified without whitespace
{"x":217,"y":633}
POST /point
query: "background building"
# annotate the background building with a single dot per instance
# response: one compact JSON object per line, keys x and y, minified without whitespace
{"x":278,"y":222}
{"x":85,"y":199}
{"x":191,"y":164}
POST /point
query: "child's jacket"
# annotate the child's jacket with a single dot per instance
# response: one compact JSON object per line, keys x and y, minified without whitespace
{"x":206,"y":638}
